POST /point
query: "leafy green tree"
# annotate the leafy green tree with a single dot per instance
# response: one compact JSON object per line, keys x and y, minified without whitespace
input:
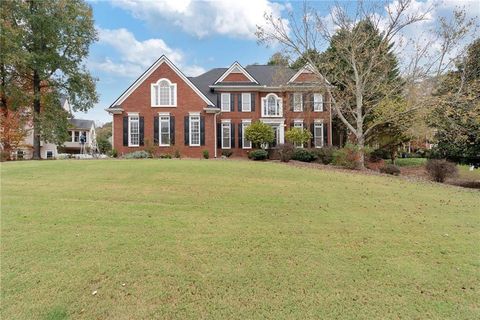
{"x":308,"y":56}
{"x":298,"y":136}
{"x":53,"y":41}
{"x":260,"y":134}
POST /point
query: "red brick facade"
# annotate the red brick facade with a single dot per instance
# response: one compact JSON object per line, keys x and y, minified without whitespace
{"x":189,"y":100}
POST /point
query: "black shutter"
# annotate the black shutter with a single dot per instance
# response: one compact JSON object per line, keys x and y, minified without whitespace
{"x":292,"y":125}
{"x":155,"y":130}
{"x":219,"y":100}
{"x":254,"y":95}
{"x":304,"y":101}
{"x":202,"y":131}
{"x":125,"y":131}
{"x":325,"y":135}
{"x":240,"y":141}
{"x":239,"y":102}
{"x":219,"y":135}
{"x":232,"y":102}
{"x":142,"y":131}
{"x":172,"y":130}
{"x":291,"y":101}
{"x":186,"y":130}
{"x":232,"y":135}
{"x":312,"y":129}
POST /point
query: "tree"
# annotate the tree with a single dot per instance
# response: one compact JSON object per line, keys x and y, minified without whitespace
{"x":278,"y":59}
{"x":53,"y":41}
{"x":103,"y":135}
{"x":12,"y":130}
{"x":456,"y":110}
{"x":310,"y":55}
{"x":298,"y":136}
{"x":260,"y":134}
{"x":363,"y":60}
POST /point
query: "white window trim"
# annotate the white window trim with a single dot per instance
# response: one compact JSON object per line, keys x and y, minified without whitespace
{"x":319,"y":102}
{"x":249,"y":109}
{"x":130,"y":116}
{"x":229,"y":134}
{"x":245,"y":124}
{"x":298,"y":124}
{"x":301,"y":102}
{"x":315,"y":125}
{"x":225,"y":94}
{"x":190,"y":121}
{"x":160,"y":130}
{"x":154,"y":87}
{"x":264,"y":104}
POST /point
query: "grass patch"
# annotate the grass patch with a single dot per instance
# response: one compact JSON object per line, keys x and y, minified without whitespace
{"x":410,"y":162}
{"x":194,"y":239}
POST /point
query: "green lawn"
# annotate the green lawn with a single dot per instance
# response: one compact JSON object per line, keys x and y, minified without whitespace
{"x":206,"y":239}
{"x":410,"y":162}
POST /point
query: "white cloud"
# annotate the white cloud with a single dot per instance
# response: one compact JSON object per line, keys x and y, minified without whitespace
{"x":136,"y":56}
{"x":204,"y":18}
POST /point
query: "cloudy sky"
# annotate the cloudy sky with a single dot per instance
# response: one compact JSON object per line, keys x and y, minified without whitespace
{"x":195,"y":35}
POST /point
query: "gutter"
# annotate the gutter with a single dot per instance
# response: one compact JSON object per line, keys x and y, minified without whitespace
{"x":216,"y":112}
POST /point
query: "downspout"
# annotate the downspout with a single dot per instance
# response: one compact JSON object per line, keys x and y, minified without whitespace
{"x":330,"y":126}
{"x":215,"y":132}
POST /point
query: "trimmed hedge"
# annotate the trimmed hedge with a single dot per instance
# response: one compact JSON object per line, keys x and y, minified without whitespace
{"x":258,"y":155}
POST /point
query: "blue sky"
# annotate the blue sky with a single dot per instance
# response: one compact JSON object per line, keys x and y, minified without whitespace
{"x":196,"y":36}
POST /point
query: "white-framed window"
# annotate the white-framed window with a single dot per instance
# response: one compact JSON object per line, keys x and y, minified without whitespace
{"x":318,"y":134}
{"x":246,"y":144}
{"x":297,"y":102}
{"x":76,"y":136}
{"x":225,"y":102}
{"x":246,"y":102}
{"x":298,"y":124}
{"x":194,"y":130}
{"x":226,"y":135}
{"x":164,"y":134}
{"x":271,"y":106}
{"x":20,"y":154}
{"x":164,"y":93}
{"x":49,"y":154}
{"x":133,"y":131}
{"x":317,"y":102}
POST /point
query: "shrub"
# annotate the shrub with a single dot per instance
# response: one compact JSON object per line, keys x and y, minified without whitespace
{"x":206,"y":154}
{"x":114,"y":153}
{"x":285,"y":151}
{"x":440,"y":170}
{"x":347,"y":156}
{"x":259,"y":133}
{"x":137,"y":155}
{"x":304,"y":155}
{"x":166,"y":156}
{"x":177,"y":154}
{"x":227,"y":153}
{"x":258,"y":155}
{"x":298,"y":136}
{"x":378,"y":154}
{"x":324,"y":155}
{"x":149,"y":148}
{"x":390,"y":169}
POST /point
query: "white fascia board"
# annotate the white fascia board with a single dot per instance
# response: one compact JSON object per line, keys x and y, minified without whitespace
{"x":232,"y":67}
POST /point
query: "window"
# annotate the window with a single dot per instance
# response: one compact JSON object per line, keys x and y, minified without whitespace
{"x":247,"y":144}
{"x":226,"y":102}
{"x":70,"y":133}
{"x":226,"y":135}
{"x":318,"y":135}
{"x":133,"y":131}
{"x":271,"y":106}
{"x":297,"y":102}
{"x":76,"y":136}
{"x":298,"y":124}
{"x":317,"y":102}
{"x":20,"y":154}
{"x":49,"y":154}
{"x":194,"y":130}
{"x":164,"y":130}
{"x":164,"y":94}
{"x":246,"y":102}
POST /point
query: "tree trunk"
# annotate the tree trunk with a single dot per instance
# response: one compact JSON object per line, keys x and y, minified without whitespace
{"x":36,"y":116}
{"x":361,"y":159}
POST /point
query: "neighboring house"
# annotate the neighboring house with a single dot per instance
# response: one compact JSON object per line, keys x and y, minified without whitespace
{"x":210,"y":112}
{"x":77,"y":128}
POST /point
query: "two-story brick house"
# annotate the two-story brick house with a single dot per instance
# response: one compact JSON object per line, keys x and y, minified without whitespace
{"x":210,"y":112}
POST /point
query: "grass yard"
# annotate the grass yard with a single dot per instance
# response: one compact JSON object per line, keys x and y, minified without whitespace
{"x":206,"y":239}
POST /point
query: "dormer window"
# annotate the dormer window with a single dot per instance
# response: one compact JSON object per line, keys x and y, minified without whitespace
{"x":164,"y":94}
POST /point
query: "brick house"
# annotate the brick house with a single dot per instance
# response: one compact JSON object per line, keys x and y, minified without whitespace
{"x":210,"y":112}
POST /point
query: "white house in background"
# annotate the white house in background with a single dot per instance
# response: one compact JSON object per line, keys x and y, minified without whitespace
{"x":77,"y":128}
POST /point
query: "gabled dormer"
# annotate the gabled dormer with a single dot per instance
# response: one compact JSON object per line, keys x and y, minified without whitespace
{"x":236,"y":73}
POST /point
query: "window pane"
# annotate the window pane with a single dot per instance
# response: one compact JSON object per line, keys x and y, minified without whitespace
{"x":194,"y":130}
{"x":225,"y":135}
{"x":246,"y":102}
{"x":318,"y":102}
{"x":164,"y":130}
{"x":225,"y":101}
{"x":318,"y":133}
{"x":246,"y":143}
{"x":134,"y":131}
{"x":297,"y":102}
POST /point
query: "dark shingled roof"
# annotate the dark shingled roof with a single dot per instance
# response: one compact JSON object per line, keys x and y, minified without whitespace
{"x":203,"y":81}
{"x":81,"y":124}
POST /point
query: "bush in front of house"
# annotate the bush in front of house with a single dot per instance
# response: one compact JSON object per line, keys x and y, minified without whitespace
{"x":347,"y":156}
{"x":285,"y":151}
{"x":166,"y":156}
{"x":298,"y":136}
{"x":206,"y":154}
{"x":113,"y":153}
{"x":303,"y":155}
{"x":227,"y":153}
{"x":260,"y":134}
{"x":440,"y":170}
{"x":259,"y":154}
{"x":177,"y":154}
{"x":390,"y":169}
{"x":324,"y":155}
{"x":137,"y":155}
{"x":378,"y":154}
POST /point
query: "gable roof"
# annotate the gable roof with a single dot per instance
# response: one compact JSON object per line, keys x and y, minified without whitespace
{"x":81,"y":123}
{"x":306,"y":69}
{"x":148,"y":72}
{"x":236,"y":68}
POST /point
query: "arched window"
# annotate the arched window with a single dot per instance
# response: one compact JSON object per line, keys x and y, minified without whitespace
{"x":271,"y":106}
{"x":164,"y":93}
